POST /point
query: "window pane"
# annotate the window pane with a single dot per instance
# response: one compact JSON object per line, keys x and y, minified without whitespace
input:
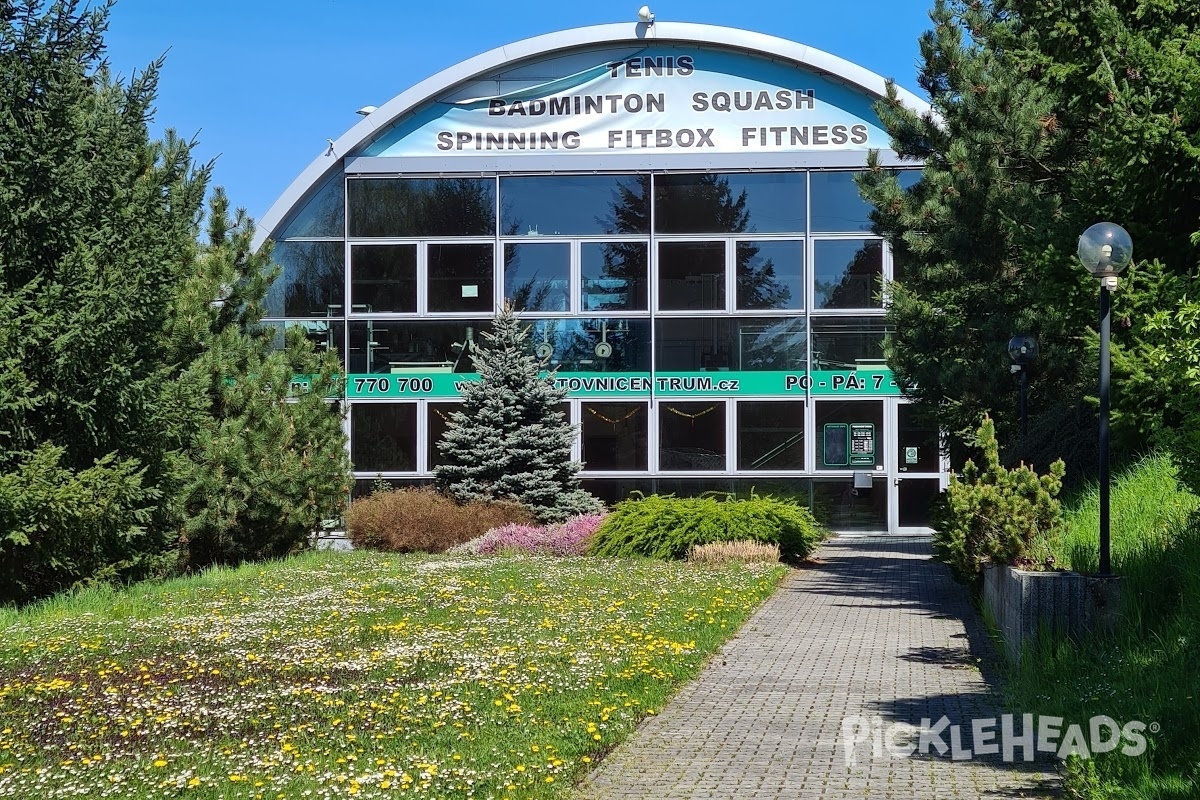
{"x":383,"y":278}
{"x":422,"y":206}
{"x":460,"y":277}
{"x":730,"y":203}
{"x":593,"y":345}
{"x":439,"y":421}
{"x":614,"y":436}
{"x":323,"y":333}
{"x":836,"y":204}
{"x":770,"y":274}
{"x":687,"y":345}
{"x":770,"y":435}
{"x":323,"y":215}
{"x":838,"y":506}
{"x":691,"y":436}
{"x":849,"y":342}
{"x":537,"y":277}
{"x":614,"y":276}
{"x":312,"y":280}
{"x":917,"y":441}
{"x":772,"y":343}
{"x":849,"y":434}
{"x":837,"y":207}
{"x":847,"y":273}
{"x":574,"y":205}
{"x":383,"y":437}
{"x":691,"y":276}
{"x":403,"y":346}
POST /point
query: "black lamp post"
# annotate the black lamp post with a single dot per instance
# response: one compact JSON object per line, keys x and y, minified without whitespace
{"x":1105,"y":249}
{"x":1023,"y":351}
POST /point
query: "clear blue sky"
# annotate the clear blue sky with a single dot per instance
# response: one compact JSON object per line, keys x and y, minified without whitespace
{"x":263,"y":83}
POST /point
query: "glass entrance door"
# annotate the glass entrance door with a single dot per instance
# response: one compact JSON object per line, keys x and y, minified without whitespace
{"x":918,"y":476}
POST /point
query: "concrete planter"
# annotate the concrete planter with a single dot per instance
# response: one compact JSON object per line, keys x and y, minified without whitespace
{"x":1066,"y":604}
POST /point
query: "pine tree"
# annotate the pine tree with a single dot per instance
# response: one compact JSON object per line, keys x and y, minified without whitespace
{"x":259,"y":470}
{"x":98,"y":228}
{"x":1048,"y":117}
{"x":510,"y":441}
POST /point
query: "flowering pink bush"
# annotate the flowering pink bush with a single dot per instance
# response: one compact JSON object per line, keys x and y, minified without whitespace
{"x":569,"y":538}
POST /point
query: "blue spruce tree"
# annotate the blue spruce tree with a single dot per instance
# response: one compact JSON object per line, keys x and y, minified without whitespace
{"x":511,"y":441}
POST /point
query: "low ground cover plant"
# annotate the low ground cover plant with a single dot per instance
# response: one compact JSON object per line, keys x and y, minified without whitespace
{"x":423,"y":520}
{"x":1147,"y":672}
{"x":361,"y":674}
{"x":990,"y":514}
{"x":569,"y":538}
{"x":664,"y":526}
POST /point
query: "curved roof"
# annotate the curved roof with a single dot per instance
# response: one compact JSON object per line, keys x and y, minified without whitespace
{"x":382,"y":119}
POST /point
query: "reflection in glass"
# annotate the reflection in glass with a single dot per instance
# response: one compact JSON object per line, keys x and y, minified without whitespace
{"x":383,"y":437}
{"x":573,"y":205}
{"x":765,"y":202}
{"x":401,"y":346}
{"x":537,"y":277}
{"x":770,"y":274}
{"x":422,"y":206}
{"x":843,"y":414}
{"x":838,"y":506}
{"x":849,"y":343}
{"x":752,"y":344}
{"x":325,"y":334}
{"x":691,"y":276}
{"x":311,"y":282}
{"x":323,"y":215}
{"x":383,"y":278}
{"x":918,"y":447}
{"x":691,"y":436}
{"x":593,"y":345}
{"x":439,"y":421}
{"x":770,"y":434}
{"x":614,"y":276}
{"x":614,"y":436}
{"x":847,"y":273}
{"x":837,"y":207}
{"x":460,"y":277}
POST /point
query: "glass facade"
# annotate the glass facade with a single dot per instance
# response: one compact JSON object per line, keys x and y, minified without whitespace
{"x":716,"y":331}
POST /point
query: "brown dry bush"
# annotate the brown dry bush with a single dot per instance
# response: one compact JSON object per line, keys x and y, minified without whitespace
{"x":424,"y":520}
{"x":743,"y":551}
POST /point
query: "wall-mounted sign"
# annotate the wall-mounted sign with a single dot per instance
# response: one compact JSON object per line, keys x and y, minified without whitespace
{"x":862,"y":443}
{"x":835,"y":449}
{"x":910,"y":455}
{"x":669,"y":99}
{"x":406,"y":383}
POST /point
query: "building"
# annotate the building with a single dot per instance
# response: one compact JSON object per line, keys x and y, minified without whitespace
{"x":671,"y":206}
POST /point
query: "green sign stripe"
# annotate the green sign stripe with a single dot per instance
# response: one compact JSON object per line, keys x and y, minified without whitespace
{"x":821,"y":383}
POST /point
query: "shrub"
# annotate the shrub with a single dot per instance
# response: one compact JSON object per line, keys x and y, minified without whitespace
{"x":669,"y":527}
{"x":569,"y":538}
{"x":991,"y":515}
{"x":743,"y":551}
{"x":424,"y":520}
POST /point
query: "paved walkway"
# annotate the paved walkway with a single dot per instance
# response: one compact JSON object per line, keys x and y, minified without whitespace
{"x":876,"y":630}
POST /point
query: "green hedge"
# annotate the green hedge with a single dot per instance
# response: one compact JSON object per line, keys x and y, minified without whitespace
{"x":667,"y":527}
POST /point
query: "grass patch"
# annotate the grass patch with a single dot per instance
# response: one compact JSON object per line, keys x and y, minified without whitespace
{"x":361,"y":674}
{"x":1148,"y":671}
{"x":1147,"y":511}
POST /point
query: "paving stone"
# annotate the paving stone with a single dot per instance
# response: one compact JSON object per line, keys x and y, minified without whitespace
{"x":875,"y":629}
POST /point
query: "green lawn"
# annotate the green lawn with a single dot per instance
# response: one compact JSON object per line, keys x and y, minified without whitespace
{"x":1149,"y":671}
{"x":365,"y":675}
